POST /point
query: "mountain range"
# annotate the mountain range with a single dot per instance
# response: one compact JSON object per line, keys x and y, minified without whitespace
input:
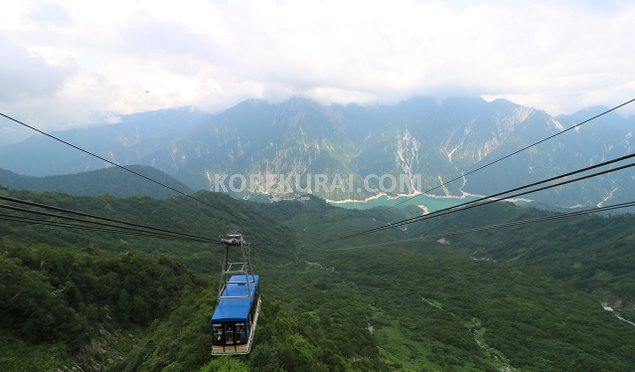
{"x":440,"y":140}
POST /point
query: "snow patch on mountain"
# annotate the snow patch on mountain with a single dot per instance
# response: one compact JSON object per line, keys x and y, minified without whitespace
{"x":556,"y":124}
{"x":505,"y":124}
{"x":627,"y":139}
{"x":608,"y":197}
{"x":449,"y":149}
{"x":407,"y":155}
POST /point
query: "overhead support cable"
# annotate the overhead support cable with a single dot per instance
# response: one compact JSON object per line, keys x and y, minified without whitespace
{"x":500,"y":196}
{"x":124,"y":224}
{"x":33,"y":221}
{"x":496,"y":226}
{"x":127,"y":169}
{"x":578,"y":125}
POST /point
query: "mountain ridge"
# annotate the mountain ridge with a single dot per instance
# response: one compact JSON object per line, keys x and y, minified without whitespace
{"x":439,"y":140}
{"x":111,"y":181}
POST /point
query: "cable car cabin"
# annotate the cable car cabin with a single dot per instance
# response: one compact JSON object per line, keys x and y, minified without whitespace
{"x":234,"y":320}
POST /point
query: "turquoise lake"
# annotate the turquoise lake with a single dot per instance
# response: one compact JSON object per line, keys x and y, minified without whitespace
{"x":433,"y":204}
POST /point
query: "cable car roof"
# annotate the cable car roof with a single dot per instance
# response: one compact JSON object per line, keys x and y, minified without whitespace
{"x":236,"y":308}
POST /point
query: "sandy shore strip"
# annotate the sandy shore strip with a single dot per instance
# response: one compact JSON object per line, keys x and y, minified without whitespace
{"x":392,"y":197}
{"x":423,"y":208}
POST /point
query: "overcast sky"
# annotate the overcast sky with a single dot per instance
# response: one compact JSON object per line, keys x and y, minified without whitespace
{"x":71,"y":62}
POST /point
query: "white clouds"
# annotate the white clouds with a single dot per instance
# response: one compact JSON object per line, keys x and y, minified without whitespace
{"x":559,"y":56}
{"x":25,"y":75}
{"x":49,"y":13}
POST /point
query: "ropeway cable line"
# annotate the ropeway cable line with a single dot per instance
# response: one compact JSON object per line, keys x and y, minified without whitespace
{"x":33,"y":221}
{"x":227,"y":332}
{"x":496,"y":226}
{"x":125,"y":225}
{"x":361,"y":233}
{"x":239,"y":330}
{"x":518,"y":151}
{"x":450,"y":210}
{"x":499,"y":196}
{"x":127,"y":169}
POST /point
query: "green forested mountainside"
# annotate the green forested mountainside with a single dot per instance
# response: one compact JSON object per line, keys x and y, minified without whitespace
{"x":71,"y":296}
{"x":484,"y":302}
{"x":593,"y":253}
{"x":108,"y":181}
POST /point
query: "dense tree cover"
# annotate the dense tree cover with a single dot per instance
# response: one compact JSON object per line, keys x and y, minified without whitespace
{"x":442,"y":305}
{"x":593,"y":253}
{"x":285,"y":340}
{"x":513,"y":298}
{"x":53,"y":293}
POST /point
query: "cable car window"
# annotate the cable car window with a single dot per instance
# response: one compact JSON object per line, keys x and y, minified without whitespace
{"x":217,"y":333}
{"x":241,"y":336}
{"x":229,"y":334}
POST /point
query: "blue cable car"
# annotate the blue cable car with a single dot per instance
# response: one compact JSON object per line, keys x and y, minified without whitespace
{"x":235,"y":318}
{"x":236,"y":315}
